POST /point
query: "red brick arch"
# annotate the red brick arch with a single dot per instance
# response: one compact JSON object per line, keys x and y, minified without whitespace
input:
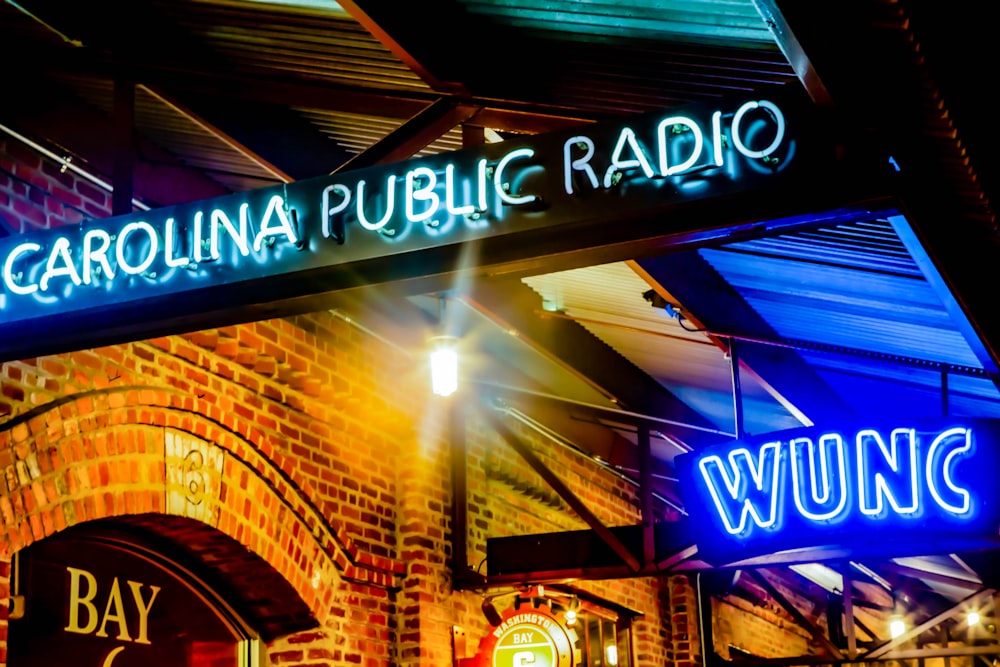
{"x":138,"y":450}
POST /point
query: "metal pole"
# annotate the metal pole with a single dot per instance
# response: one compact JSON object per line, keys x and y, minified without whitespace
{"x":734,"y":362}
{"x":123,"y":169}
{"x":848,"y":594}
{"x":459,"y":489}
{"x":944,"y":392}
{"x":646,"y":497}
{"x":709,"y":658}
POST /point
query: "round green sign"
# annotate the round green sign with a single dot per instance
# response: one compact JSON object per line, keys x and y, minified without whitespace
{"x":523,"y":646}
{"x":528,"y":638}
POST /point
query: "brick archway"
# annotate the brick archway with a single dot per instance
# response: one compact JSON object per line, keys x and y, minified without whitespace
{"x":141,"y":450}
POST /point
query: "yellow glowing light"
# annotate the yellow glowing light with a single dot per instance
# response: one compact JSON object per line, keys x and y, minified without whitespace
{"x":444,"y":366}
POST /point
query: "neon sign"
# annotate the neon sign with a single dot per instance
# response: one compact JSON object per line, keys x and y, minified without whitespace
{"x":137,"y":249}
{"x":104,"y":257}
{"x":671,"y":133}
{"x":104,"y":603}
{"x":812,"y":487}
{"x":276,"y":244}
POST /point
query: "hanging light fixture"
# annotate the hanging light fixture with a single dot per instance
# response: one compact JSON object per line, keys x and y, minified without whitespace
{"x":490,"y":612}
{"x":897,"y":626}
{"x":572,"y":611}
{"x":444,"y":357}
{"x":444,"y":365}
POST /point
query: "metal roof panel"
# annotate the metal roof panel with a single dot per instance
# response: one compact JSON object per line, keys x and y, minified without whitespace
{"x":852,"y":286}
{"x":608,"y":301}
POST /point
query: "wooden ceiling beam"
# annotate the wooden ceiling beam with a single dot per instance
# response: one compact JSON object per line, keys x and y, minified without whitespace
{"x":506,"y":115}
{"x":512,"y":305}
{"x":791,"y":46}
{"x":226,"y":138}
{"x":702,"y":292}
{"x":85,"y":133}
{"x":402,"y":28}
{"x":417,"y":133}
{"x":275,"y":138}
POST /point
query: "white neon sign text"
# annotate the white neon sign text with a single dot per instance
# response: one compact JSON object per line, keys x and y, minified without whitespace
{"x":214,"y":242}
{"x":138,"y":248}
{"x":679,"y":146}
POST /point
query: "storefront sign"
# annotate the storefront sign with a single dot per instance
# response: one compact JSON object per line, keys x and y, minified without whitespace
{"x":396,"y":221}
{"x":925,"y":484}
{"x":96,"y":603}
{"x":527,"y":637}
{"x":85,"y":616}
{"x":276,"y":230}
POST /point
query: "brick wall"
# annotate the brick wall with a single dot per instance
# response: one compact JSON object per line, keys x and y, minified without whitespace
{"x":509,"y":498}
{"x":319,"y":450}
{"x":4,"y":611}
{"x":37,"y":193}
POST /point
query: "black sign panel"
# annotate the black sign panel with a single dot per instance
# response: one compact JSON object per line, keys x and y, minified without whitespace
{"x":100,"y":605}
{"x":199,"y":264}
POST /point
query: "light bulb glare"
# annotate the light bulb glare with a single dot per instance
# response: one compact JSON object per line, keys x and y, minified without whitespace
{"x":444,"y":367}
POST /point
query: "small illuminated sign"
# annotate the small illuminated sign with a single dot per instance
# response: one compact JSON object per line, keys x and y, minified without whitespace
{"x":527,"y":637}
{"x":142,"y":272}
{"x":106,"y":603}
{"x":920,"y":483}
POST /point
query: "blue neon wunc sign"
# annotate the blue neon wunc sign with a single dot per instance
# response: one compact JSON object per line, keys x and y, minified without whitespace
{"x":923,"y":486}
